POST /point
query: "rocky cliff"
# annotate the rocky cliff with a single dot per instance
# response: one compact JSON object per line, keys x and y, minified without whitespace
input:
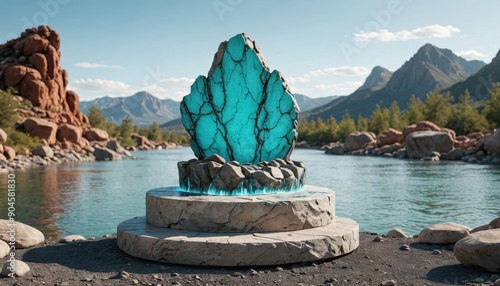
{"x":30,"y":67}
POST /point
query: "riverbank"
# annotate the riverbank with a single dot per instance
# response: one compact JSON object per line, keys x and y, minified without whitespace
{"x":100,"y":262}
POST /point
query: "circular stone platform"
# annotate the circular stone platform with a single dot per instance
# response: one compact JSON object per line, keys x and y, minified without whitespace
{"x":169,"y":208}
{"x":140,"y":239}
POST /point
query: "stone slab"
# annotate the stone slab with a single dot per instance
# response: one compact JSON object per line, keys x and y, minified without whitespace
{"x":168,"y":207}
{"x":138,"y":238}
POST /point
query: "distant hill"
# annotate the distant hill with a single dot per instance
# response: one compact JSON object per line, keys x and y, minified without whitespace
{"x":142,"y":107}
{"x":306,"y":103}
{"x":479,"y":83}
{"x":430,"y":68}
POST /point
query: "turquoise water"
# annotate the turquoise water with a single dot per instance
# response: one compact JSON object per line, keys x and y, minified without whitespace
{"x":91,"y":199}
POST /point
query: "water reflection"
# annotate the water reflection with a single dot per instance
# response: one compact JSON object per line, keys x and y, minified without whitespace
{"x":91,"y":199}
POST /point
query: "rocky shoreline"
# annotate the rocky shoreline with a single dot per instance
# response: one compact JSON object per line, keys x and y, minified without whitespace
{"x":433,"y":257}
{"x":424,"y":141}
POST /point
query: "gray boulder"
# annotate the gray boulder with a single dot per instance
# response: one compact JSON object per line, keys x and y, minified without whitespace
{"x":421,"y":144}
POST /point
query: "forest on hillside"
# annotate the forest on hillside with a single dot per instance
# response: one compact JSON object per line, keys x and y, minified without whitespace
{"x":463,"y":117}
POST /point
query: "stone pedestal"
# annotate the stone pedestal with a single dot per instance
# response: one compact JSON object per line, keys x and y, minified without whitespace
{"x":273,"y":229}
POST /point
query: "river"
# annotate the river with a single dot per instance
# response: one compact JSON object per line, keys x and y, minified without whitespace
{"x":91,"y":199}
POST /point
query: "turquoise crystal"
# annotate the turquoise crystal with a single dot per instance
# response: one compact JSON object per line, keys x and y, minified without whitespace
{"x":241,"y":110}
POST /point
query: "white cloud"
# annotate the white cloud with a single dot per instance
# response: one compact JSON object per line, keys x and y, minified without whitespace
{"x":343,"y":88}
{"x":299,"y":79}
{"x":342,"y":71}
{"x":427,"y":32}
{"x":88,"y":65}
{"x":106,"y":87}
{"x":472,"y":54}
{"x":169,"y":87}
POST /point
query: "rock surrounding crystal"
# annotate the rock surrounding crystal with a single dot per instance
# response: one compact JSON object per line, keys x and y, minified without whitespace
{"x":241,"y":111}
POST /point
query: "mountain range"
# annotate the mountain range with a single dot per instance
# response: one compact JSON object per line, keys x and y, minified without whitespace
{"x":430,"y":68}
{"x":144,"y":108}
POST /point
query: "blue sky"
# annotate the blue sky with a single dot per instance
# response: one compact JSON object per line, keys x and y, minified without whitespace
{"x":322,"y":47}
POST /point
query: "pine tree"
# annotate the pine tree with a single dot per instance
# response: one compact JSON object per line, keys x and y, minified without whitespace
{"x":96,"y":118}
{"x":492,"y":109}
{"x":125,"y":130}
{"x":8,"y":112}
{"x":155,"y":133}
{"x":379,"y":120}
{"x":437,"y":107}
{"x":346,"y":126}
{"x":396,"y":118}
{"x":415,"y":112}
{"x":466,"y":118}
{"x":362,"y":124}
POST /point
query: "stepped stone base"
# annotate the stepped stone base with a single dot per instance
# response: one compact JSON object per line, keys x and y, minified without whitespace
{"x":312,"y":207}
{"x":140,"y":239}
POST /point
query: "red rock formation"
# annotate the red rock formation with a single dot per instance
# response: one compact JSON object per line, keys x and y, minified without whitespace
{"x":30,"y":66}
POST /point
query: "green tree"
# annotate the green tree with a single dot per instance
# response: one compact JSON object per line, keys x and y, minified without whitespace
{"x":332,"y":130}
{"x":362,"y":123}
{"x":346,"y":126}
{"x":125,"y":131}
{"x":8,"y":110}
{"x":437,"y":107}
{"x":492,"y":109}
{"x":155,"y":133}
{"x":415,"y":112}
{"x":8,"y":119}
{"x":379,"y":120}
{"x":466,"y":118}
{"x":396,"y":118}
{"x":96,"y":118}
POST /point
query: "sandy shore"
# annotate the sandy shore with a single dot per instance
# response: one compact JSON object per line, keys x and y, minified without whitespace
{"x":99,"y":262}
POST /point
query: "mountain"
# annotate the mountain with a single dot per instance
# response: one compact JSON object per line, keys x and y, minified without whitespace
{"x":479,"y":83}
{"x":430,"y":68}
{"x":378,"y":79}
{"x":306,"y":103}
{"x":142,"y":107}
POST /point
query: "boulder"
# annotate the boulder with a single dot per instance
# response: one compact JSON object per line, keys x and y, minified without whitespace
{"x":9,"y":152}
{"x":357,"y":140}
{"x":396,"y":233}
{"x":335,"y":150}
{"x":248,"y":110}
{"x":39,"y":61}
{"x":480,"y":228}
{"x":409,"y":130}
{"x":421,"y":144}
{"x":495,"y":223}
{"x":492,"y":143}
{"x":26,"y":236}
{"x":105,"y":154}
{"x":14,"y":74}
{"x":20,"y":269}
{"x":72,"y":238}
{"x":427,"y":126}
{"x":389,"y":137}
{"x":43,"y":151}
{"x":115,"y":146}
{"x":69,"y":132}
{"x":41,"y":128}
{"x":96,"y":134}
{"x":456,"y":154}
{"x":480,"y":249}
{"x":35,"y":91}
{"x":34,"y":43}
{"x":3,"y":136}
{"x":231,"y":176}
{"x":443,"y":233}
{"x":452,"y":133}
{"x":4,"y":249}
